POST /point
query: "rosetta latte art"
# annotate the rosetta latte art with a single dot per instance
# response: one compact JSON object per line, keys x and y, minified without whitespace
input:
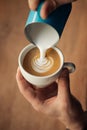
{"x":39,"y":66}
{"x":42,"y":65}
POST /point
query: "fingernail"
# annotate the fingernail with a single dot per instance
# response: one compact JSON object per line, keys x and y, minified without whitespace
{"x":64,"y":73}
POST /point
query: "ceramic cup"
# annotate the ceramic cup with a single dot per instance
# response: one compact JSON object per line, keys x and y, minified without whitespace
{"x":43,"y":81}
{"x":49,"y":30}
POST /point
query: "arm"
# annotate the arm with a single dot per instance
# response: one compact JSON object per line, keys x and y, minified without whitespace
{"x":55,"y":100}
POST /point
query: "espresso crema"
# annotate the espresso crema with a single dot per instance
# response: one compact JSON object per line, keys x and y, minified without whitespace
{"x":41,"y":67}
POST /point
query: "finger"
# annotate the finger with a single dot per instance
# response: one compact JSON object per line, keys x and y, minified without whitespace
{"x":33,"y":4}
{"x":64,"y":84}
{"x":25,"y":88}
{"x":48,"y":7}
{"x":47,"y":92}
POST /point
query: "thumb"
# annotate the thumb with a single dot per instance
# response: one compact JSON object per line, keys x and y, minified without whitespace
{"x":64,"y":84}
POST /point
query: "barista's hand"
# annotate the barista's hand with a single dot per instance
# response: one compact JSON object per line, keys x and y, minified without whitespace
{"x":55,"y":100}
{"x":48,"y":6}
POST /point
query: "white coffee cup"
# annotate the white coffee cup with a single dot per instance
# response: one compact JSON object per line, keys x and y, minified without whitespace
{"x":43,"y":81}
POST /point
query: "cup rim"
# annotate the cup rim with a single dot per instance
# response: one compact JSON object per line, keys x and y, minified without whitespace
{"x":29,"y":47}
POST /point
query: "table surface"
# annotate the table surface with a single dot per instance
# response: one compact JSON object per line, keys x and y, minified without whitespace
{"x":15,"y":112}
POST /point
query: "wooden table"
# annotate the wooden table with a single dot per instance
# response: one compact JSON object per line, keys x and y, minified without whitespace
{"x":15,"y":112}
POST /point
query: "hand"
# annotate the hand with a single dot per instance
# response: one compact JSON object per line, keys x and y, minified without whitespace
{"x":48,"y":6}
{"x":55,"y":100}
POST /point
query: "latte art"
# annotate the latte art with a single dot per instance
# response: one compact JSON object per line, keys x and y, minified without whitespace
{"x":42,"y":65}
{"x":39,"y":66}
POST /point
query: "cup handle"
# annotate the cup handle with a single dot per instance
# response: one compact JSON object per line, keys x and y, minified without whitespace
{"x":71,"y":67}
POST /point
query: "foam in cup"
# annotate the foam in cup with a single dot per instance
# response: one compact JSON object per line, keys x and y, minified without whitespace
{"x":42,"y":65}
{"x":39,"y":66}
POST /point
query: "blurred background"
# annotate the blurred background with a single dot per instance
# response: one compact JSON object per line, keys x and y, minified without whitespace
{"x":15,"y":112}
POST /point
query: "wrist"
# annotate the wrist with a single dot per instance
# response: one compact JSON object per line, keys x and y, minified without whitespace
{"x":76,"y":126}
{"x":79,"y":124}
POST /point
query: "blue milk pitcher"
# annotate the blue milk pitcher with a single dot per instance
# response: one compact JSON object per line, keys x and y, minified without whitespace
{"x":49,"y":30}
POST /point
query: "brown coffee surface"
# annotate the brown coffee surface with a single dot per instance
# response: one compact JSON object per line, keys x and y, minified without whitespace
{"x":35,"y":53}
